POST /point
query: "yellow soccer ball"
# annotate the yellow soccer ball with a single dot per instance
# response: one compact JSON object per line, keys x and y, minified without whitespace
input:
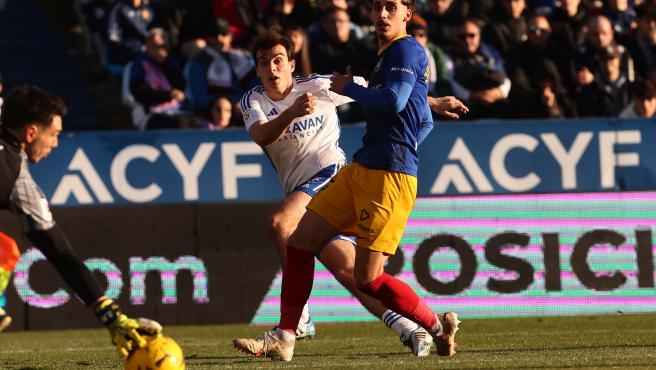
{"x":160,"y":353}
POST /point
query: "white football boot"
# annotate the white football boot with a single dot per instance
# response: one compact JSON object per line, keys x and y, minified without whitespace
{"x":419,"y":341}
{"x":269,"y":344}
{"x":445,"y":341}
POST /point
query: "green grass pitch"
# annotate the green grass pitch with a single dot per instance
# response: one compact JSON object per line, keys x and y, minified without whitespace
{"x":591,"y":342}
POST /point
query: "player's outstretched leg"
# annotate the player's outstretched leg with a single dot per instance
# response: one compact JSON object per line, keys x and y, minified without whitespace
{"x":398,"y":296}
{"x":339,"y":257}
{"x":411,"y":335}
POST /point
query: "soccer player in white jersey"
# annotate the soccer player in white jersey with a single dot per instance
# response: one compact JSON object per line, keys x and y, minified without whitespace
{"x":295,"y":121}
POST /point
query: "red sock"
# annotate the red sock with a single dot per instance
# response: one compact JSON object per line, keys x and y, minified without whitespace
{"x":398,"y":296}
{"x":297,"y":278}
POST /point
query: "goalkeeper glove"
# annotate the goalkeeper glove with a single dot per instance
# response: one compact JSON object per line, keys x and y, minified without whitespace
{"x":126,"y":333}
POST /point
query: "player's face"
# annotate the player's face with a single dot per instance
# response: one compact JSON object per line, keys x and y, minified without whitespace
{"x":275,"y":70}
{"x":389,"y":18}
{"x":41,"y":140}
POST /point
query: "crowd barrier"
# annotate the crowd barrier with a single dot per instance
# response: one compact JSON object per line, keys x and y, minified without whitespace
{"x":526,"y":218}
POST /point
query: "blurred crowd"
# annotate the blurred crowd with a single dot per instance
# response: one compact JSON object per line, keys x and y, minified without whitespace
{"x":186,"y":63}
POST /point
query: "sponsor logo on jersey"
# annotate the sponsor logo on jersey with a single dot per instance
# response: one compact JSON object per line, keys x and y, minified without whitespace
{"x":273,"y":112}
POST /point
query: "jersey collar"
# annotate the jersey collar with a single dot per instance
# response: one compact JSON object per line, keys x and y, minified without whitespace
{"x":390,"y":42}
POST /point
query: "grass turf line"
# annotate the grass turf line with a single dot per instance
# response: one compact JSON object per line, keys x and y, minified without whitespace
{"x":602,"y":342}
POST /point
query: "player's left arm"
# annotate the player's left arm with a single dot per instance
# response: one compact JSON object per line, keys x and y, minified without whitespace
{"x":426,"y":125}
{"x":338,"y":99}
{"x":391,"y":98}
{"x":30,"y":203}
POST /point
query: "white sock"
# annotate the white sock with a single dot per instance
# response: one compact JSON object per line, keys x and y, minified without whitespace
{"x":305,"y":317}
{"x":398,"y":323}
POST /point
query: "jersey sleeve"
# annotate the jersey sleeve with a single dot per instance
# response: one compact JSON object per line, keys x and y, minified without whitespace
{"x":251,"y":109}
{"x":404,"y":64}
{"x":31,"y":202}
{"x":342,"y":99}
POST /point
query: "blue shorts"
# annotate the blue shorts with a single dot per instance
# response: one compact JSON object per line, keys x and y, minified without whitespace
{"x":313,"y":185}
{"x":319,"y":180}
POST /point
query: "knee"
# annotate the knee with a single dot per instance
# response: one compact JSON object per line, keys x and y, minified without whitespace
{"x":297,"y":240}
{"x":276,"y":224}
{"x":362,"y":282}
{"x":345,"y":277}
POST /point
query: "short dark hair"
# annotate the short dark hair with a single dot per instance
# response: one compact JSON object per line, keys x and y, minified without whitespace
{"x":409,"y":3}
{"x":270,"y":39}
{"x":28,"y":104}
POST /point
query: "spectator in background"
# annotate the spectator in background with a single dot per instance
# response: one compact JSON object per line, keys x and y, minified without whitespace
{"x":282,"y":13}
{"x":533,"y":73}
{"x":315,"y":29}
{"x":438,"y":80}
{"x":127,"y":27}
{"x":480,"y":9}
{"x":567,"y":21}
{"x":219,"y":115}
{"x":195,"y":17}
{"x":608,"y":94}
{"x":336,"y":45}
{"x":598,"y":37}
{"x":478,"y":76}
{"x":301,"y":50}
{"x":508,"y":29}
{"x":643,"y":101}
{"x":550,"y":99}
{"x":219,"y":69}
{"x":245,"y":18}
{"x":94,"y":14}
{"x":157,"y":85}
{"x":443,"y":18}
{"x":621,"y":15}
{"x":642,"y":43}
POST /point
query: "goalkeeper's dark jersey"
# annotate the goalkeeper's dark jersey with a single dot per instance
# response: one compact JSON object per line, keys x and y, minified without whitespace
{"x":18,"y":191}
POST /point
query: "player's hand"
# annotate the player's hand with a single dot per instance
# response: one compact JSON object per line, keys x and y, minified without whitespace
{"x":338,"y":81}
{"x":303,"y":105}
{"x":125,"y":335}
{"x":447,"y":106}
{"x":122,"y":329}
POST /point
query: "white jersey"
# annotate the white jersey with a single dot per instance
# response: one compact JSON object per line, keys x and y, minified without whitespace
{"x":310,"y":143}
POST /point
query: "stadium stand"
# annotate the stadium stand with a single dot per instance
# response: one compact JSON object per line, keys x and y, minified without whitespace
{"x":32,"y":51}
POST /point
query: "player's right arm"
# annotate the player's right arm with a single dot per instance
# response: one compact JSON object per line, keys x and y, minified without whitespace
{"x":265,"y":132}
{"x":28,"y":200}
